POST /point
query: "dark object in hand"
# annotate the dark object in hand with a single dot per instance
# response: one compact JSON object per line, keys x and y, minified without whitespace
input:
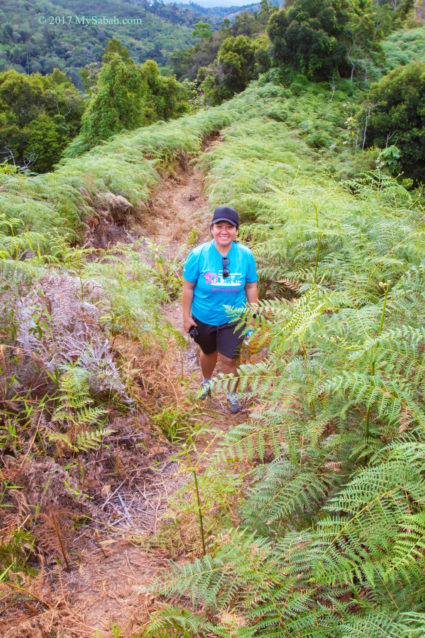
{"x":193,"y":331}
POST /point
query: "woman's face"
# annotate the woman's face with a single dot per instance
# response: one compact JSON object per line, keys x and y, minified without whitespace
{"x":224,"y":233}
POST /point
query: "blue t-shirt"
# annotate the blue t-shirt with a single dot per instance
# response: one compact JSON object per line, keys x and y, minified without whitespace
{"x":212,"y":292}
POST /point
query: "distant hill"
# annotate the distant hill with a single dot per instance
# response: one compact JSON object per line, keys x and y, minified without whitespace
{"x":225,"y":5}
{"x":209,"y":8}
{"x":213,"y":10}
{"x":216,"y":7}
{"x":40,"y":35}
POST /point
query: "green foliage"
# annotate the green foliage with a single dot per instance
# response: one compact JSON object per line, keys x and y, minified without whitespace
{"x":330,"y":533}
{"x":234,"y":69}
{"x":117,"y":103}
{"x":311,"y":37}
{"x":202,"y":30}
{"x":15,"y":548}
{"x":188,"y":63}
{"x":40,"y":213}
{"x":324,"y":39}
{"x":324,"y":482}
{"x":404,"y":46}
{"x":397,"y":117}
{"x":175,"y":423}
{"x":38,"y":38}
{"x":40,"y":114}
{"x":127,"y":97}
{"x":134,"y":293}
{"x":236,"y":57}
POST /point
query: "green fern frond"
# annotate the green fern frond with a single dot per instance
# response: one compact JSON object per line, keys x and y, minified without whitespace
{"x":286,"y":493}
{"x":174,"y":622}
{"x":409,"y":549}
{"x":84,"y":441}
{"x":377,"y":625}
{"x":90,"y":440}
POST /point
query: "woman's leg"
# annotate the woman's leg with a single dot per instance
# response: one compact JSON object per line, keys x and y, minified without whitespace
{"x":229,"y":342}
{"x":208,"y":362}
{"x":228,"y":366}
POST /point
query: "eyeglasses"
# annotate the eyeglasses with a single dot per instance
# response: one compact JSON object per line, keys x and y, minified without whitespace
{"x":226,"y":262}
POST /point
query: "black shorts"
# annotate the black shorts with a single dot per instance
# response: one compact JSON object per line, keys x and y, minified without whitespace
{"x":223,"y":339}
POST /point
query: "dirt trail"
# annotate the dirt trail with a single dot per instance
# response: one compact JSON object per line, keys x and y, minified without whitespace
{"x":110,"y":560}
{"x":103,"y":589}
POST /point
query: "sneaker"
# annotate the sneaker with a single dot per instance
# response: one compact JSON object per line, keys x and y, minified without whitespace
{"x":233,"y":403}
{"x":204,"y":390}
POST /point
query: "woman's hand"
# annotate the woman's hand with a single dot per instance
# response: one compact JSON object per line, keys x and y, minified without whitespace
{"x":187,"y":297}
{"x":188,"y":322}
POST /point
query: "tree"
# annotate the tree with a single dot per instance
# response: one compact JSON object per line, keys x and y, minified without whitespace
{"x":117,"y":102}
{"x":311,"y":37}
{"x":391,"y":14}
{"x":46,"y":141}
{"x":232,"y":70}
{"x":363,"y":32}
{"x":398,"y":117}
{"x":164,"y":97}
{"x":236,"y":57}
{"x":127,"y":96}
{"x":40,"y":114}
{"x":202,"y":30}
{"x":113,"y":48}
{"x":262,"y":54}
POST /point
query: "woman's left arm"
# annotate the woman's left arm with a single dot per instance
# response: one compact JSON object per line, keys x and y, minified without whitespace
{"x":251,"y":292}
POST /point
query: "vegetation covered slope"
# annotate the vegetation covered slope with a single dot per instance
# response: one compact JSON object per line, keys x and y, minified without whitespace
{"x":403,"y":46}
{"x":317,"y":524}
{"x":329,"y":535}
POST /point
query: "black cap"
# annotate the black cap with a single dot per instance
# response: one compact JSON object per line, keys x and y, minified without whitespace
{"x":225,"y":214}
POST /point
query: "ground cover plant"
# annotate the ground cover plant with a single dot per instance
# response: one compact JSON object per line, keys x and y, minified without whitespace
{"x":329,"y":536}
{"x":403,"y":46}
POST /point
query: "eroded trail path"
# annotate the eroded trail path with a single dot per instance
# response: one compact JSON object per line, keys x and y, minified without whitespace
{"x":103,"y":590}
{"x":110,"y":560}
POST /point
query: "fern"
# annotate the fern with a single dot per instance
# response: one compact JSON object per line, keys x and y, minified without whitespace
{"x":377,"y":625}
{"x":76,"y":413}
{"x":84,"y":441}
{"x":334,"y":489}
{"x":287,"y":493}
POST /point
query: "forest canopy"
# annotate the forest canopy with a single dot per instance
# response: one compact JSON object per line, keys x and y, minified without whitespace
{"x":38,"y":37}
{"x":397,"y":117}
{"x":126,"y":97}
{"x":39,"y":115}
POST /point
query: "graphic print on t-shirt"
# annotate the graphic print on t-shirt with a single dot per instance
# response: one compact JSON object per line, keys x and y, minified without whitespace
{"x":233,"y":281}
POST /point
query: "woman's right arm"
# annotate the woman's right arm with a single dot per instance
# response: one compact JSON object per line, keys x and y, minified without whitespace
{"x":187,"y":298}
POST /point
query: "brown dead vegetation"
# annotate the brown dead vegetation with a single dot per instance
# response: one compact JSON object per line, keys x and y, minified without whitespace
{"x":92,"y":524}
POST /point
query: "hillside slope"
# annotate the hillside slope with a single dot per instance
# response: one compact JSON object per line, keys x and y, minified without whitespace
{"x":313,"y":505}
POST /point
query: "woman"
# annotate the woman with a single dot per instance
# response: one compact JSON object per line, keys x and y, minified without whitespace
{"x":218,"y":277}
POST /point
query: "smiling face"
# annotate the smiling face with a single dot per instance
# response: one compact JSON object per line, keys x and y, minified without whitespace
{"x":223,"y":233}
